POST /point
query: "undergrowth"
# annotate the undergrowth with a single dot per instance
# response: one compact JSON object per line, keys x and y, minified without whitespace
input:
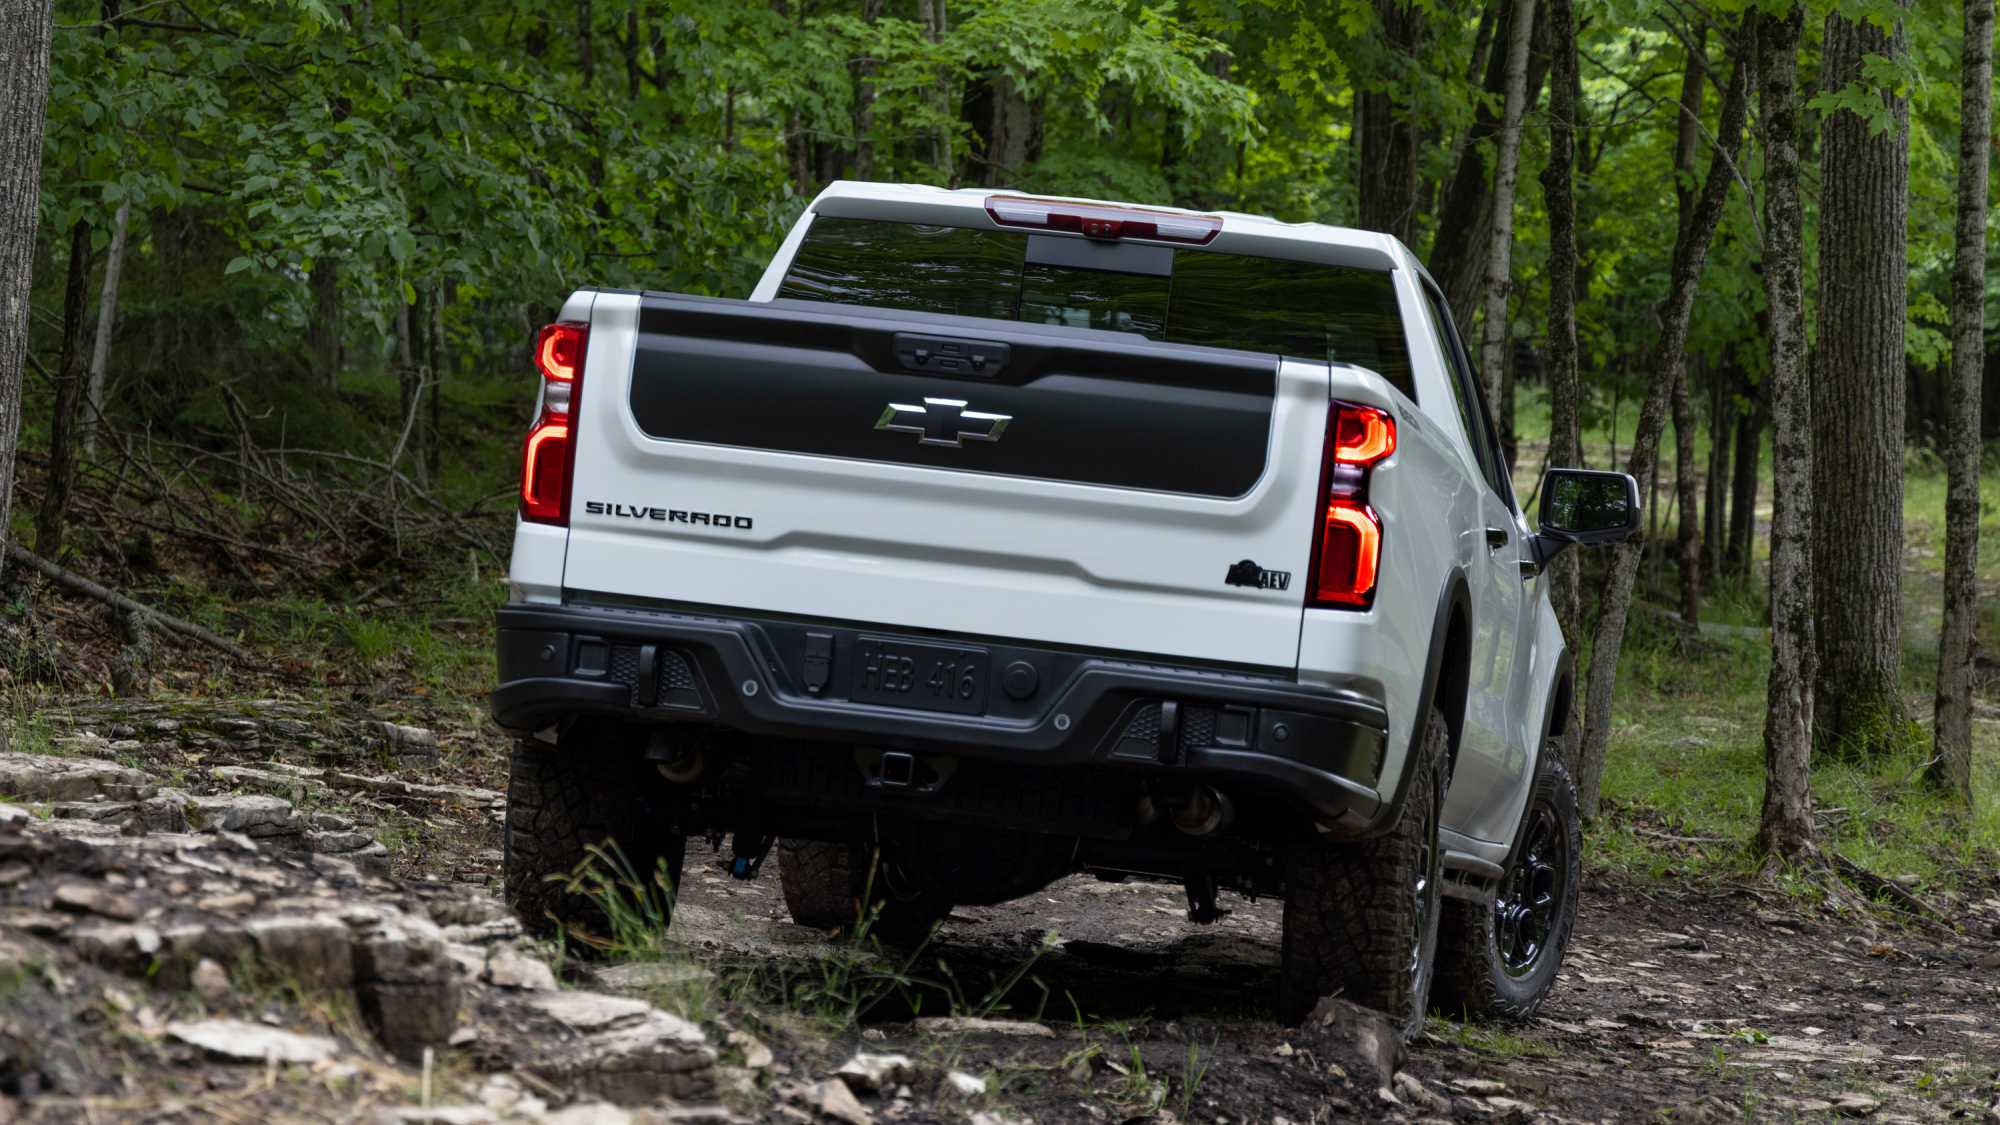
{"x":1684,"y":780}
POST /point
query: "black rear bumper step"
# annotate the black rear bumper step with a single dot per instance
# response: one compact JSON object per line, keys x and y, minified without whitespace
{"x":1319,"y":749}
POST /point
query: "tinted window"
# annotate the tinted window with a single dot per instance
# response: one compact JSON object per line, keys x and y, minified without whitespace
{"x":1294,"y":308}
{"x":904,"y":266}
{"x":1466,"y":395}
{"x":1081,"y":298}
{"x":1300,"y":309}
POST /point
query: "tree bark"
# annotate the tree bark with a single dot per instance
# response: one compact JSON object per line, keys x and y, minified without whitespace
{"x":1507,"y":163}
{"x":1858,"y":406}
{"x":1007,"y":132}
{"x":1669,"y":359}
{"x":25,"y":29}
{"x":1565,"y":388}
{"x":71,"y":382}
{"x":107,"y":317}
{"x":1687,"y":532}
{"x":632,"y":52}
{"x":409,"y":378}
{"x":1785,"y":827}
{"x":1743,"y":505}
{"x":1951,"y":768}
{"x":434,"y":365}
{"x":323,"y":331}
{"x":931,"y":16}
{"x":1715,"y":505}
{"x":1458,"y":256}
{"x":864,"y":99}
{"x":1687,"y":538}
{"x":1687,"y":137}
{"x":586,"y":59}
{"x":1386,"y":176}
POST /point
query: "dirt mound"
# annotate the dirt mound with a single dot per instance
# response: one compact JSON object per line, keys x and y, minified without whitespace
{"x":217,"y":953}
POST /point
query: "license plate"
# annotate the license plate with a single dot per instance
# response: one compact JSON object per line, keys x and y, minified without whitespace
{"x":929,"y":677}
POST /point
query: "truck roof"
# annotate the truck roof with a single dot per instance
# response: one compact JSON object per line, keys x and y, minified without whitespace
{"x":1241,"y":233}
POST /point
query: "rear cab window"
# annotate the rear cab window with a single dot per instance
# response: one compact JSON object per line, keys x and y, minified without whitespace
{"x":1305,"y":310}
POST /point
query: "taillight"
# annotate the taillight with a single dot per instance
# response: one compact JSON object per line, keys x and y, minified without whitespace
{"x":1347,"y":534}
{"x":549,"y":453}
{"x":1097,"y":221}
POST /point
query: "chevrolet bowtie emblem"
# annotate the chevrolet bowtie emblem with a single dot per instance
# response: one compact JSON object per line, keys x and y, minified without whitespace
{"x":943,"y":421}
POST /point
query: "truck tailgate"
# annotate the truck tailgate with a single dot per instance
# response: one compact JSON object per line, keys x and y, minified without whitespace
{"x":961,"y":475}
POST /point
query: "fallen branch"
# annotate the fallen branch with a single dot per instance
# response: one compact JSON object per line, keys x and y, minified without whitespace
{"x":1671,"y":838}
{"x":78,"y":583}
{"x":1923,"y":912}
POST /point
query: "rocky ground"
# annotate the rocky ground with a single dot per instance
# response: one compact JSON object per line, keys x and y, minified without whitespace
{"x":279,"y":911}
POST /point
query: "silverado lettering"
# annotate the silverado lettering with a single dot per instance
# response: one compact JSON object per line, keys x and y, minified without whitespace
{"x":668,"y":515}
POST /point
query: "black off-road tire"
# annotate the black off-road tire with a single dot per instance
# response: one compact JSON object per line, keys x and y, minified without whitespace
{"x":1481,"y":968}
{"x":826,"y":886}
{"x":593,"y":789}
{"x":1361,"y":917}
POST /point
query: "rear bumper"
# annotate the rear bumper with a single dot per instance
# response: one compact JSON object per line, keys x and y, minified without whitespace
{"x":1319,"y":749}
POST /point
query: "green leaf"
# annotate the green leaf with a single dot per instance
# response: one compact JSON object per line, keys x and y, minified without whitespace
{"x":237,"y":266}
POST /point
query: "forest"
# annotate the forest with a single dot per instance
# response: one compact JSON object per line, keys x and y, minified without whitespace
{"x":270,"y":273}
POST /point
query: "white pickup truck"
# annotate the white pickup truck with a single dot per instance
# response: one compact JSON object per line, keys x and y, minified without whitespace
{"x":995,"y":539}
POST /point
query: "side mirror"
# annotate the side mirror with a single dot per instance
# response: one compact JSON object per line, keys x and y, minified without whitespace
{"x":1586,"y":507}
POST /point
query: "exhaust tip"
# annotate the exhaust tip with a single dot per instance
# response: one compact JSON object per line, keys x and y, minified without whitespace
{"x":1205,"y":813}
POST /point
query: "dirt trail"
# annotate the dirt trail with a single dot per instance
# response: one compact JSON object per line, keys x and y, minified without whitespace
{"x":1689,"y":1003}
{"x":251,"y":835}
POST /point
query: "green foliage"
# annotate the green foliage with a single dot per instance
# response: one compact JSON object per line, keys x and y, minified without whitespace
{"x":467,"y":151}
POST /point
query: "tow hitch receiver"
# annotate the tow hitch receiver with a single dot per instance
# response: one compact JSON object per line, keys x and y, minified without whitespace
{"x":1202,"y":910}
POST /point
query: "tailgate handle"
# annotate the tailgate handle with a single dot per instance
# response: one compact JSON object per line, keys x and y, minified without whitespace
{"x":943,"y":355}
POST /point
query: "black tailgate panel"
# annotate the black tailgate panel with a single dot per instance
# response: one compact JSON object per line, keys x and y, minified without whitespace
{"x":1086,"y":407}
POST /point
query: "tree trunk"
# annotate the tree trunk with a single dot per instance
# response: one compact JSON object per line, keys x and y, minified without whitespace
{"x":1565,"y":388}
{"x":25,"y":29}
{"x":107,"y":318}
{"x":409,"y":382}
{"x":1458,"y":257}
{"x":1951,"y":768}
{"x":1715,"y":505}
{"x":434,"y":364}
{"x":1687,"y":534}
{"x":632,"y":52}
{"x":1858,"y":406}
{"x":586,"y":60}
{"x":71,"y":378}
{"x":1687,"y":142}
{"x":1785,"y":828}
{"x":1669,"y":358}
{"x":1507,"y":163}
{"x":1482,"y":42}
{"x":1386,"y":178}
{"x":864,"y":99}
{"x":1007,"y":132}
{"x":1743,"y":505}
{"x":323,"y":332}
{"x":1482,"y":47}
{"x":1687,"y":137}
{"x":931,"y":15}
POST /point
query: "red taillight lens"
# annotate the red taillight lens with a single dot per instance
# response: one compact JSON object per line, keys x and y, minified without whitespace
{"x":550,"y":451}
{"x":545,"y":474}
{"x":559,"y":351}
{"x":1347,"y":536}
{"x":1362,"y":435}
{"x":1350,"y":548}
{"x":1097,"y":221}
